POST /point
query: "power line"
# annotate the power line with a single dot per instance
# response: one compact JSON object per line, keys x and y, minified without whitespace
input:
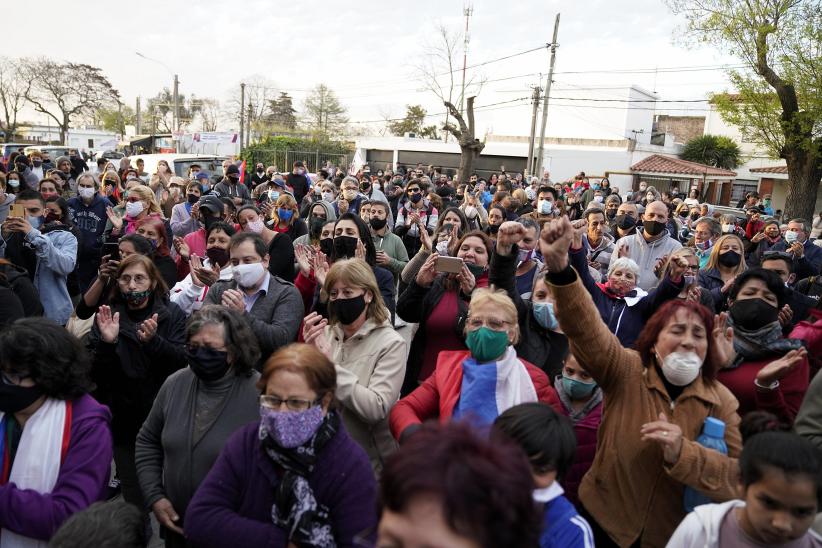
{"x":478,"y":108}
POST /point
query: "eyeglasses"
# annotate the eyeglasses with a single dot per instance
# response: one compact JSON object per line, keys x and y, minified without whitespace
{"x":491,"y":323}
{"x":12,"y":379}
{"x":126,"y":278}
{"x":293,"y":404}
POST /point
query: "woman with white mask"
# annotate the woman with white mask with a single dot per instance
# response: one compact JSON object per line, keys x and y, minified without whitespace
{"x":657,"y":397}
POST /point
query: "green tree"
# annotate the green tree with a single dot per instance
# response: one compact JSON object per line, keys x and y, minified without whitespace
{"x":413,"y":123}
{"x":282,"y":113}
{"x":323,"y":111}
{"x":713,"y":150}
{"x":778,"y":104}
{"x":161,"y":109}
{"x":116,"y":118}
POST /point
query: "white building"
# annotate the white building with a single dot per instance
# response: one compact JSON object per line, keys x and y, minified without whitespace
{"x":81,"y":138}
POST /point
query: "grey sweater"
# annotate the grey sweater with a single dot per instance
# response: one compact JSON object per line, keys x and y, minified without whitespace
{"x":186,"y":429}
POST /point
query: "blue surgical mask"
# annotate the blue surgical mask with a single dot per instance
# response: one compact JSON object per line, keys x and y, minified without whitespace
{"x":544,"y":315}
{"x":791,"y":236}
{"x":284,"y":214}
{"x":273,"y":195}
{"x":577,"y":390}
{"x":546,"y":207}
{"x":35,"y":222}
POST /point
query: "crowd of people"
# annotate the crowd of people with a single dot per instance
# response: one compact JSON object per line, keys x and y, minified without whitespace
{"x":402,"y":358}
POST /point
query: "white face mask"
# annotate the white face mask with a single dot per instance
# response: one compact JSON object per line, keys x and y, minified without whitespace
{"x":791,"y":236}
{"x":86,"y":192}
{"x":134,"y":208}
{"x":255,"y":226}
{"x":247,"y":275}
{"x":328,"y":196}
{"x":546,"y":207}
{"x":470,"y":212}
{"x":727,"y":227}
{"x":681,"y":368}
{"x":598,"y":199}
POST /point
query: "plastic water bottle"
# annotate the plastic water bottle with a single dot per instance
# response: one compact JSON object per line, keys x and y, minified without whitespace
{"x":712,"y":437}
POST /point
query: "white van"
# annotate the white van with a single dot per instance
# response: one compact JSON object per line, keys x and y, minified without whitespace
{"x":180,"y":163}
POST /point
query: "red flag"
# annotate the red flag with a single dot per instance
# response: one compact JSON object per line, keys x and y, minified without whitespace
{"x":242,"y":172}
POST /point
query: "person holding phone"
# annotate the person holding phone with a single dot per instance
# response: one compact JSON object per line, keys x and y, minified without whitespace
{"x":438,"y":301}
{"x":88,"y":213}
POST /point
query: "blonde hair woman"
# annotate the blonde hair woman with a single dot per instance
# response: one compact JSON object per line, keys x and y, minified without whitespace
{"x":482,"y":382}
{"x":725,"y":263}
{"x":369,"y":354}
{"x":285,"y":217}
{"x":139,"y":204}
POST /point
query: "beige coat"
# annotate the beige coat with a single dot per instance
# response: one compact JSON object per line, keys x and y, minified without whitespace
{"x":370,"y":369}
{"x":629,"y":489}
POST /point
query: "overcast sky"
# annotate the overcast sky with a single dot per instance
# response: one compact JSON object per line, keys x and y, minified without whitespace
{"x":366,"y":50}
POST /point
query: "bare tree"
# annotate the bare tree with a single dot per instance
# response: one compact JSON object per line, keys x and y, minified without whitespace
{"x":470,"y":146}
{"x":64,"y":90}
{"x":13,"y":89}
{"x":438,"y":72}
{"x":259,"y":92}
{"x":209,"y":110}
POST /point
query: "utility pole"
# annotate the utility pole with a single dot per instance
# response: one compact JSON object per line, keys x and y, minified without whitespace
{"x":242,"y":114}
{"x":176,"y":104}
{"x":530,"y":163}
{"x":139,"y":121}
{"x":545,"y":100}
{"x":248,"y":127}
{"x":468,"y":11}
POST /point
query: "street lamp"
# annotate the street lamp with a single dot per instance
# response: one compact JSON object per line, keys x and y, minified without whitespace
{"x":176,"y":120}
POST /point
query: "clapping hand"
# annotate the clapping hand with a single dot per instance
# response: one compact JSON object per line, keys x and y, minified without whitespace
{"x":785,"y":316}
{"x":233,"y":299}
{"x":116,"y":220}
{"x":147,"y":329}
{"x":723,"y":338}
{"x":200,"y":275}
{"x":314,"y":333}
{"x":320,"y":267}
{"x":304,"y":258}
{"x":781,"y":368}
{"x":182,"y":249}
{"x":108,"y":325}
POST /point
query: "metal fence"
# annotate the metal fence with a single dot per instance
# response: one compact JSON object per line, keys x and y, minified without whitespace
{"x":313,"y":160}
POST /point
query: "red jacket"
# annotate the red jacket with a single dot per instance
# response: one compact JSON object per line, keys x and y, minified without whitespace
{"x":439,"y":394}
{"x":586,"y":434}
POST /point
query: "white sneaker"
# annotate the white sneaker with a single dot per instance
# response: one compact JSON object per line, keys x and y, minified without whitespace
{"x":399,"y":322}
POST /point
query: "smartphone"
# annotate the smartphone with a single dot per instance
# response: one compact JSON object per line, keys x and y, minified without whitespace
{"x":451,"y":265}
{"x":112,"y":249}
{"x":447,"y":227}
{"x":17,"y":210}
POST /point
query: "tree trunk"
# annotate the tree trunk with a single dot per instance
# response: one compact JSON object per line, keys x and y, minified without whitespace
{"x":804,"y":173}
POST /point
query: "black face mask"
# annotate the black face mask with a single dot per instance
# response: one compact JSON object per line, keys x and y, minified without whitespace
{"x":753,"y":314}
{"x":377,"y":224}
{"x":15,"y":398}
{"x":217,"y":255}
{"x":316,"y":226}
{"x":610,"y":213}
{"x":193,"y":199}
{"x":327,"y":246}
{"x":345,"y":246}
{"x":208,"y":364}
{"x":694,"y":216}
{"x":730,"y":259}
{"x":654,"y":228}
{"x":346,"y":311}
{"x":493,"y":229}
{"x":625,"y":222}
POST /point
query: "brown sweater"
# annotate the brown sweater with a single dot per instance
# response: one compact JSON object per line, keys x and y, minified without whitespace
{"x":629,"y":490}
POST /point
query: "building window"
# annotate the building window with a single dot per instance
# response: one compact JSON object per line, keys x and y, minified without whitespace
{"x":740,"y":188}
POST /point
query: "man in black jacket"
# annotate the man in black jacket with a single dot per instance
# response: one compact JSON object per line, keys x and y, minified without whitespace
{"x":799,"y":305}
{"x":298,"y":181}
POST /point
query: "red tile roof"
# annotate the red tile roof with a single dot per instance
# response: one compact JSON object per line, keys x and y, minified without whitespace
{"x":665,"y":164}
{"x":773,"y":169}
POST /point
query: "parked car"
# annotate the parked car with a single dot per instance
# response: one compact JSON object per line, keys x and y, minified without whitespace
{"x":54,"y":151}
{"x":8,"y":148}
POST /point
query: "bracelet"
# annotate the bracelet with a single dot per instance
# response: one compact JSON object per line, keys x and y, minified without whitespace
{"x":773,"y":386}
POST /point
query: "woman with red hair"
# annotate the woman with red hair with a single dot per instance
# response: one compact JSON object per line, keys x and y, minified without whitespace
{"x":657,"y":397}
{"x":153,"y":229}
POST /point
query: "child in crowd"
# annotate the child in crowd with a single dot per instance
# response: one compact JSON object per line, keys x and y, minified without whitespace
{"x":781,"y":482}
{"x":549,"y":443}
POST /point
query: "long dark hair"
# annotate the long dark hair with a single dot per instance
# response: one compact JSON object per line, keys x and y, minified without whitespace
{"x":365,"y":237}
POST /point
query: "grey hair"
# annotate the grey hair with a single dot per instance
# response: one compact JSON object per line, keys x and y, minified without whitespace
{"x":350,"y":179}
{"x":92,"y":176}
{"x":61,"y":159}
{"x":612,"y":198}
{"x":806,"y":228}
{"x":728,"y":218}
{"x":713,"y":225}
{"x":239,"y":339}
{"x":626,"y":264}
{"x":529,"y":222}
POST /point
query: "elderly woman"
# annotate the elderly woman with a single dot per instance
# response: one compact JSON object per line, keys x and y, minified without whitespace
{"x":762,"y":242}
{"x":295,"y":477}
{"x":195,"y":412}
{"x":480,"y":383}
{"x":622,"y":305}
{"x":657,"y":398}
{"x":767,"y":371}
{"x":438,"y":301}
{"x":55,"y":439}
{"x":137,"y":342}
{"x":725,"y":263}
{"x":368,"y":354}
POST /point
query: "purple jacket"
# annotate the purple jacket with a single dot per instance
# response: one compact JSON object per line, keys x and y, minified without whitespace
{"x":82,"y":481}
{"x":232,"y":507}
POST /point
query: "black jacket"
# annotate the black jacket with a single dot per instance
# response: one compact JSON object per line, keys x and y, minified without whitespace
{"x":17,"y":279}
{"x":129,"y":373}
{"x":542,"y":347}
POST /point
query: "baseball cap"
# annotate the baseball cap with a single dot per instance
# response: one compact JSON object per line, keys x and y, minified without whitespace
{"x":232,"y":170}
{"x":212,"y":203}
{"x":201,"y":175}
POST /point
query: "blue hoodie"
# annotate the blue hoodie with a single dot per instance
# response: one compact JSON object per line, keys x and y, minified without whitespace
{"x":91,"y":221}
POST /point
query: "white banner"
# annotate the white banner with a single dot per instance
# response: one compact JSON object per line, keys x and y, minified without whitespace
{"x":214,"y":137}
